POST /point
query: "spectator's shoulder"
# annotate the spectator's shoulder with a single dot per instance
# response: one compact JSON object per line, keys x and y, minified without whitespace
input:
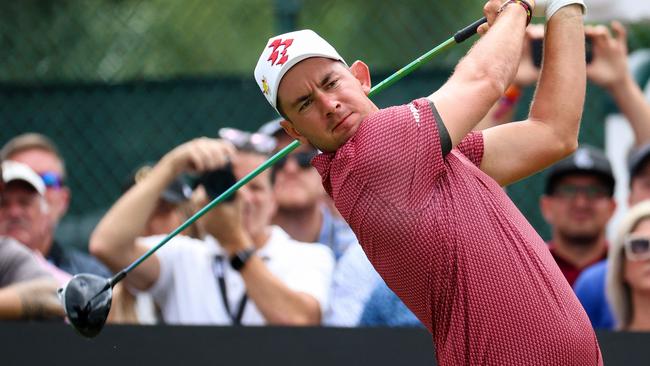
{"x":81,"y":262}
{"x":593,"y":277}
{"x":8,"y":244}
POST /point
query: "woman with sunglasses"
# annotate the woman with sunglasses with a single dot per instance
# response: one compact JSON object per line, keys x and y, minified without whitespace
{"x":628,"y":275}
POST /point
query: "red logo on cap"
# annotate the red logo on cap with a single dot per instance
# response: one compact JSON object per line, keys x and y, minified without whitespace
{"x":276,"y":44}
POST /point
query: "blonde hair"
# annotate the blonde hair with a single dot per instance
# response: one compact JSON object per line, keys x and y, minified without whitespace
{"x":618,"y":291}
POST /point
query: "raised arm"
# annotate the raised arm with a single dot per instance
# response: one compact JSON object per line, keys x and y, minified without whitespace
{"x":609,"y":69}
{"x":114,"y":239}
{"x":516,"y":150}
{"x":483,"y":75}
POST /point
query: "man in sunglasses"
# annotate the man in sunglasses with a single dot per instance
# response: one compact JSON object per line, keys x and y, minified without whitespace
{"x":590,"y":285}
{"x":41,"y":155}
{"x":27,"y":290}
{"x":304,"y":209}
{"x":577,"y":204}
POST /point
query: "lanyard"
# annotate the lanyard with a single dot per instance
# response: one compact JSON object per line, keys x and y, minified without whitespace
{"x":220,"y":273}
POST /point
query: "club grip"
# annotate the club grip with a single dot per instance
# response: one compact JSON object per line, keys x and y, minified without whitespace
{"x":468,"y":31}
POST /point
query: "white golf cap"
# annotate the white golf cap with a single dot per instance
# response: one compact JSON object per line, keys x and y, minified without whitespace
{"x":282,"y":53}
{"x":12,"y":171}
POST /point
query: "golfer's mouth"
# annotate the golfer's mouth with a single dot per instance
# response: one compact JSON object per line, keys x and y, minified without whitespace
{"x":341,"y":122}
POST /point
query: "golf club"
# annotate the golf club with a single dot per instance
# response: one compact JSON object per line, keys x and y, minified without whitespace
{"x":87,"y":298}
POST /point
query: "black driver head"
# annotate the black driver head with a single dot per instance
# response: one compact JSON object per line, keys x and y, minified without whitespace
{"x":87,"y":302}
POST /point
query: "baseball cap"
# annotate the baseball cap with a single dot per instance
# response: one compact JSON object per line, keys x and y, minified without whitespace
{"x":178,"y":191}
{"x":12,"y":171}
{"x":637,"y":159}
{"x":282,"y":53}
{"x":246,"y":141}
{"x":271,"y":128}
{"x":586,"y":160}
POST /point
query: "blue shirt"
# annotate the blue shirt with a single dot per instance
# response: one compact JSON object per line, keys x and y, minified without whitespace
{"x":335,"y":233}
{"x":590,"y":289}
{"x":384,"y":308}
{"x":353,"y":282}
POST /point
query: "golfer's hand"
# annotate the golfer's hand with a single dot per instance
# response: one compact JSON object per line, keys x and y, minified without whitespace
{"x":39,"y":299}
{"x":609,"y":65}
{"x":491,"y":11}
{"x":200,"y":155}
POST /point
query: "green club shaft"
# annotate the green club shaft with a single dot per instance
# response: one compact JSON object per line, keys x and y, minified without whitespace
{"x":459,"y":37}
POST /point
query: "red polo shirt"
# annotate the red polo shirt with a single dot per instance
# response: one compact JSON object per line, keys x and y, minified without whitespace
{"x":451,"y":244}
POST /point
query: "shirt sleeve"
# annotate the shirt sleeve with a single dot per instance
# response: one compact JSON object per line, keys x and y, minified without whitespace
{"x":168,"y":256}
{"x":472,"y":147}
{"x":17,"y":263}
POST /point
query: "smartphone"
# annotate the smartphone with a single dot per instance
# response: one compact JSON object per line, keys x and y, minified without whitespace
{"x":537,"y":45}
{"x":218,"y":181}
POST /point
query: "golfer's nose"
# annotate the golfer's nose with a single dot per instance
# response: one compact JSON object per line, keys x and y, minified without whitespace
{"x":329,"y":103}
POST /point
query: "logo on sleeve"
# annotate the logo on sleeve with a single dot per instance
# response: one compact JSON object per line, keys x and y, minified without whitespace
{"x":415,"y":112}
{"x":277,"y":45}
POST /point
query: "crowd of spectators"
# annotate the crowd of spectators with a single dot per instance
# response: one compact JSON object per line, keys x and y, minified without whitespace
{"x":279,"y":253}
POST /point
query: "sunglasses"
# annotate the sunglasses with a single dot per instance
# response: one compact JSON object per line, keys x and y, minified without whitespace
{"x":570,"y":191}
{"x":303,"y":159}
{"x":52,"y":179}
{"x":243,"y":140}
{"x":637,"y":247}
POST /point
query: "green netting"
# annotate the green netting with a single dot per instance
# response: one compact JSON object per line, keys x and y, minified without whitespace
{"x":119,"y":82}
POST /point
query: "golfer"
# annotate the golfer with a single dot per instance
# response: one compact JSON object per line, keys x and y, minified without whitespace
{"x":423,"y":193}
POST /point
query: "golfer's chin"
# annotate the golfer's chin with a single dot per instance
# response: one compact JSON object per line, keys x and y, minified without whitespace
{"x":342,"y":134}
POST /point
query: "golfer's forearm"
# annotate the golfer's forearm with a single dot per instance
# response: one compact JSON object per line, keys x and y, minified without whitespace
{"x":495,"y":57}
{"x":482,"y":76}
{"x":632,"y":103}
{"x":560,"y":94}
{"x":278,"y":303}
{"x":116,"y":232}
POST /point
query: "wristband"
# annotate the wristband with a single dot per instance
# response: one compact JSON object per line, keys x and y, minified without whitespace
{"x":239,"y":259}
{"x":527,"y":7}
{"x":553,"y":6}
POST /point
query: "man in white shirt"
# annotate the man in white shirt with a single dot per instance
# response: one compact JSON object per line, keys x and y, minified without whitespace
{"x":253,"y":274}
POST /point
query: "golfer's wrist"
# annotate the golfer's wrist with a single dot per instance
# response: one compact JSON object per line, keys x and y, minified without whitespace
{"x":523,"y":6}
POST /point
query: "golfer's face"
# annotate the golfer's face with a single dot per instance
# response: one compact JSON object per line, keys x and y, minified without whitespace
{"x":324,"y":102}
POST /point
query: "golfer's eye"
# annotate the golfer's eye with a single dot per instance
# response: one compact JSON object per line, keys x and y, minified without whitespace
{"x":305,"y":104}
{"x":332,"y":84}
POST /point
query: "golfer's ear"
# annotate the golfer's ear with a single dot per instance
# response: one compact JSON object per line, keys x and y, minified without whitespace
{"x":362,"y":73}
{"x":291,"y":131}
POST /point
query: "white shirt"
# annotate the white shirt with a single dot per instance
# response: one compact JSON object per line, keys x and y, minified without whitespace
{"x":187,"y":290}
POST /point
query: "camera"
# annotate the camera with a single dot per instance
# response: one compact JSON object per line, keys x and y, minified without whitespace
{"x":215,"y":182}
{"x":537,"y":45}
